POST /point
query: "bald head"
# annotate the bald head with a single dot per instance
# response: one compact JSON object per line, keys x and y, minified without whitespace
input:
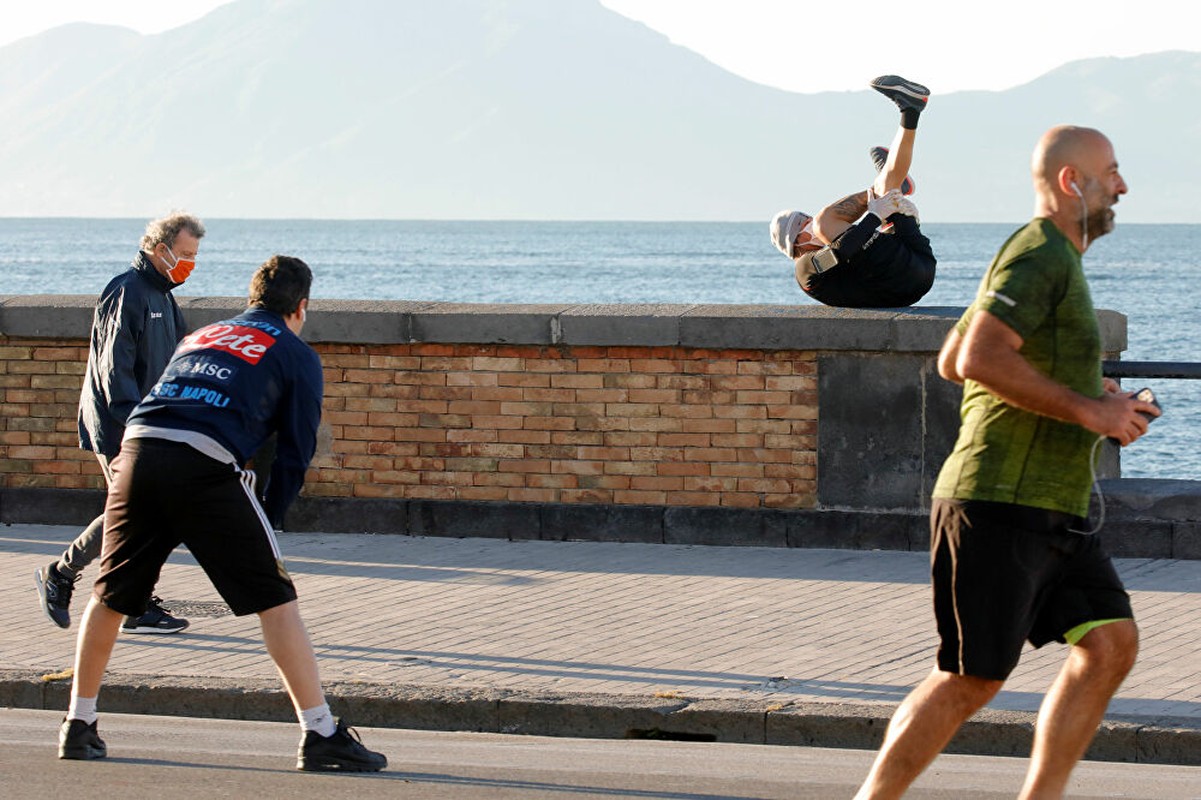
{"x":1076,"y":181}
{"x":1064,"y":145}
{"x":1067,"y":146}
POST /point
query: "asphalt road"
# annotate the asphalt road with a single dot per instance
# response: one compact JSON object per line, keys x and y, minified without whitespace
{"x":169,"y":758}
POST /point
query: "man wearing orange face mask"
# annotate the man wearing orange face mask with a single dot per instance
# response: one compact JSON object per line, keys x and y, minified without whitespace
{"x":135,"y":329}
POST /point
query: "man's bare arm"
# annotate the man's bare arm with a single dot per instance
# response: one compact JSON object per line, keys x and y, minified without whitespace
{"x":835,"y":218}
{"x":990,"y":354}
{"x":948,"y":355}
{"x":851,"y":207}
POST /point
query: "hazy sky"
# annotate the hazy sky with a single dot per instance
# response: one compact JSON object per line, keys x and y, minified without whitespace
{"x":950,"y":45}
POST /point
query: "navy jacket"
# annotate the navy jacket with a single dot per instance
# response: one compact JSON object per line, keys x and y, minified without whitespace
{"x":237,"y":382}
{"x":134,"y":331}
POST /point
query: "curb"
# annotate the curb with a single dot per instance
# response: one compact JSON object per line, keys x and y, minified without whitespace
{"x":599,"y":716}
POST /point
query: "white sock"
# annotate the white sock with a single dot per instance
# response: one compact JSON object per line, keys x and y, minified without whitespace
{"x":319,"y":719}
{"x":82,"y":709}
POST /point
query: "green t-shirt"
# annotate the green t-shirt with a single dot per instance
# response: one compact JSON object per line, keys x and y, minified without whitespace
{"x":1036,"y":286}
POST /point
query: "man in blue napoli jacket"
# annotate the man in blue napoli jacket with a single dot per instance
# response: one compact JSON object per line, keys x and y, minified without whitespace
{"x":179,"y":479}
{"x":135,"y":328}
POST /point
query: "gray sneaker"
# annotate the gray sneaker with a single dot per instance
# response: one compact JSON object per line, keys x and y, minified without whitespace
{"x":906,"y":94}
{"x":54,"y":593}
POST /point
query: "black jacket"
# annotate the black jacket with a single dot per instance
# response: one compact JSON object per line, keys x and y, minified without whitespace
{"x":134,"y":332}
{"x":875,"y":270}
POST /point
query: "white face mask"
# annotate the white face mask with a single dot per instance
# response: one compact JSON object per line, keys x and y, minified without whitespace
{"x":805,"y":235}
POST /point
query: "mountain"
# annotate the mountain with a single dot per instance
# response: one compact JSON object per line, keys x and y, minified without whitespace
{"x":527,"y":109}
{"x":1142,"y":103}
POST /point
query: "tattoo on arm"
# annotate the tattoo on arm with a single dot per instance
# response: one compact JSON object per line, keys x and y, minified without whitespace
{"x":851,"y":207}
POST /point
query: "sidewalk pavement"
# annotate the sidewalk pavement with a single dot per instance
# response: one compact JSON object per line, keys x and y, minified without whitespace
{"x":781,"y":646}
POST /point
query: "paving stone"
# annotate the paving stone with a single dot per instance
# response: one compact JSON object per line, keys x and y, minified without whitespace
{"x":482,"y":634}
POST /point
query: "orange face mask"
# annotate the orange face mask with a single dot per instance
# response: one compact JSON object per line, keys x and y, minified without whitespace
{"x":181,"y":269}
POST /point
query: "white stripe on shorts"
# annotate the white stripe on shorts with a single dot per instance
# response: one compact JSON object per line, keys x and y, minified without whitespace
{"x":955,"y":606}
{"x":247,"y":480}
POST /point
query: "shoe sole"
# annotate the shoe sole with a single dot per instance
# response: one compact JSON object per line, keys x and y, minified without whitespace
{"x":907,"y":88}
{"x":40,"y":577}
{"x":337,"y":765}
{"x":161,"y":631}
{"x":82,"y":753}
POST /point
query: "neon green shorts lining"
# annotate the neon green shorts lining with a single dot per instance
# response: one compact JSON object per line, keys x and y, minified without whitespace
{"x":1076,"y":634}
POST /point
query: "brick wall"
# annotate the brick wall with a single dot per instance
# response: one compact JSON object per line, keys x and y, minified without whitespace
{"x":672,"y":426}
{"x":39,"y":395}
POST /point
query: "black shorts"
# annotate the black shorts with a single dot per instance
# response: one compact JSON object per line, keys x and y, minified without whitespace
{"x":1005,"y":574}
{"x":167,"y":493}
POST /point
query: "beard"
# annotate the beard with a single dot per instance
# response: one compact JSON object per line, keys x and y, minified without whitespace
{"x":1100,"y":222}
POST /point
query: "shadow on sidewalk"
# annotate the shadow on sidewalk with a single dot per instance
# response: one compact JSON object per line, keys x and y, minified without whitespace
{"x":485,"y":667}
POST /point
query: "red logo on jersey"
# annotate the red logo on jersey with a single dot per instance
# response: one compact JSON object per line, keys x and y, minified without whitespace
{"x":248,"y":344}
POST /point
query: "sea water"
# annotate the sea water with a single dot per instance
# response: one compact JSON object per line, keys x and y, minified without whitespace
{"x":1144,"y":271}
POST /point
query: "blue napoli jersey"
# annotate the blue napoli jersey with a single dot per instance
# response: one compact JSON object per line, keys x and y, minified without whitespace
{"x":237,"y":382}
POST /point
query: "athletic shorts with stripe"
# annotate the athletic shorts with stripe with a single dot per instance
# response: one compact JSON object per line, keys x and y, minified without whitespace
{"x":167,"y":493}
{"x":1006,"y":574}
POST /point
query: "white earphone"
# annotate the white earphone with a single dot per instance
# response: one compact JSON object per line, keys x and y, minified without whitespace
{"x":1083,"y":215}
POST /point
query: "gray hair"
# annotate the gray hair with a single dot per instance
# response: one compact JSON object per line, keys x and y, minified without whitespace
{"x":166,"y":229}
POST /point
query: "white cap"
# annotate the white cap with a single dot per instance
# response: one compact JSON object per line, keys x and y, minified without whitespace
{"x":784,"y":229}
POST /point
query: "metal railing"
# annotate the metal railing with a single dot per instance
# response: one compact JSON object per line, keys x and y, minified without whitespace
{"x":1186,"y":370}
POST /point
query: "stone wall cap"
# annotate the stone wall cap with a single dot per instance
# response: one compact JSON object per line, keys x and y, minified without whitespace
{"x":47,"y":301}
{"x":629,"y":310}
{"x":706,"y":326}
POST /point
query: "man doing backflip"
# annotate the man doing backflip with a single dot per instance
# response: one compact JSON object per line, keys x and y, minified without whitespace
{"x":1012,"y":558}
{"x":867,"y":250}
{"x":179,"y":479}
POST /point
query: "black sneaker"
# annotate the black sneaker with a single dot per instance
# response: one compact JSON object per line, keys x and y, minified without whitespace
{"x":880,"y":158}
{"x":906,"y":94}
{"x":80,"y":741}
{"x":155,"y":620}
{"x":54,"y":592}
{"x":341,"y":752}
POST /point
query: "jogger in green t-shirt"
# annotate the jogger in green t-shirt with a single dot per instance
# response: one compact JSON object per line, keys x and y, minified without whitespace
{"x":1011,"y":560}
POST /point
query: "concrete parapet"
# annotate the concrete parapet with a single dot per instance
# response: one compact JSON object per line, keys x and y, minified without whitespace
{"x":758,"y":327}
